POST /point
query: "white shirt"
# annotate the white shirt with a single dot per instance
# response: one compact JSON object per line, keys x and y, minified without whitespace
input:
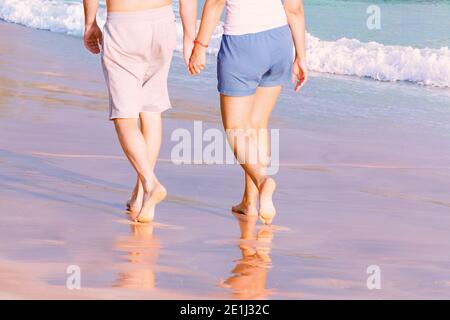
{"x":252,"y":16}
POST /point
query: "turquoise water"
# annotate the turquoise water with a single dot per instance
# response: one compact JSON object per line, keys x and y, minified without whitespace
{"x":406,"y":23}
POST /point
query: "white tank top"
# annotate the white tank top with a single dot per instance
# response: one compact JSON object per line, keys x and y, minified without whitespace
{"x":251,"y":16}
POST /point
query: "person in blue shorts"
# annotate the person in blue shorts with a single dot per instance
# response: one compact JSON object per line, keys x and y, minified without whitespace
{"x":255,"y":60}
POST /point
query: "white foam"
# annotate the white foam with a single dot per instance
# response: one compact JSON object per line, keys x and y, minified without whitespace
{"x":47,"y":14}
{"x":380,"y":62}
{"x":373,"y":60}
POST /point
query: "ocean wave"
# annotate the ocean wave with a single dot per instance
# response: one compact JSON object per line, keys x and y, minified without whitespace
{"x":373,"y":60}
{"x":430,"y":67}
{"x":47,"y":14}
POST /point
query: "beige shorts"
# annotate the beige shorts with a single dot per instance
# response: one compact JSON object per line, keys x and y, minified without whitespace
{"x":136,"y":56}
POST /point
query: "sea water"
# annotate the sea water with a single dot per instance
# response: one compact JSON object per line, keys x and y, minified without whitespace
{"x":394,"y":76}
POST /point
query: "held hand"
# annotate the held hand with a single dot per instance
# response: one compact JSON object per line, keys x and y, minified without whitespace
{"x":197,"y":61}
{"x":188,"y":46}
{"x":93,"y":38}
{"x":299,"y":73}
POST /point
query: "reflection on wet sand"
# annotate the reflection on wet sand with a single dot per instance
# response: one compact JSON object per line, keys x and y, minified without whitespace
{"x":249,"y":276}
{"x":141,"y":253}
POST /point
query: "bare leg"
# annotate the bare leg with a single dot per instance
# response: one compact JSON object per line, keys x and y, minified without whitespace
{"x":135,"y":148}
{"x":249,"y":203}
{"x":240,"y":114}
{"x":134,"y":204}
{"x":265,"y":101}
{"x":151,"y":128}
{"x":236,"y":116}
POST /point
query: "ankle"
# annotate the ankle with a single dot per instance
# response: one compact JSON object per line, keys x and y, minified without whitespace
{"x":147,"y":183}
{"x":249,"y":201}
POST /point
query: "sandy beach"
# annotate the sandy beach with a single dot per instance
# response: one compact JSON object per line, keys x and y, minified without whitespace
{"x":347,"y":199}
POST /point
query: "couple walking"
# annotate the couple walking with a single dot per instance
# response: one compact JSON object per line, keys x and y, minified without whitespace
{"x":255,"y":60}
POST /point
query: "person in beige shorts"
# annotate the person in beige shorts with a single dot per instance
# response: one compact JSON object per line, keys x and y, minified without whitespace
{"x":136,"y":47}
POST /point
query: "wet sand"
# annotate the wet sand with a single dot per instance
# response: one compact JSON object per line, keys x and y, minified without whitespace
{"x":64,"y":182}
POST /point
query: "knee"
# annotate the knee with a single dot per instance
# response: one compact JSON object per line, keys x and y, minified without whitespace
{"x":258,"y":122}
{"x":251,"y":122}
{"x":237,"y":127}
{"x":241,"y":133}
{"x":255,"y":121}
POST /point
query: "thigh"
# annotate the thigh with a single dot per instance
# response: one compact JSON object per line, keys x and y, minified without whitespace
{"x":151,"y":122}
{"x":236,"y":111}
{"x":263,"y":104}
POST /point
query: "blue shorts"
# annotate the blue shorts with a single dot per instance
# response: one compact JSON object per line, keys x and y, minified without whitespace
{"x":248,"y":61}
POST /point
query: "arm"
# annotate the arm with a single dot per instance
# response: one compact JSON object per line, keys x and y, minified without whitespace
{"x":188,"y":13}
{"x":92,"y":33}
{"x":296,"y":19}
{"x":211,"y":16}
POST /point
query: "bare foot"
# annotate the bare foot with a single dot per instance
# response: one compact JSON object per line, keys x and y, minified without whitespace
{"x":134,"y":204}
{"x":152,"y":195}
{"x":142,"y":218}
{"x":266,"y":208}
{"x":147,"y":216}
{"x":244,"y":208}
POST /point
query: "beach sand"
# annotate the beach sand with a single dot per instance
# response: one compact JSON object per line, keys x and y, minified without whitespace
{"x":342,"y":207}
